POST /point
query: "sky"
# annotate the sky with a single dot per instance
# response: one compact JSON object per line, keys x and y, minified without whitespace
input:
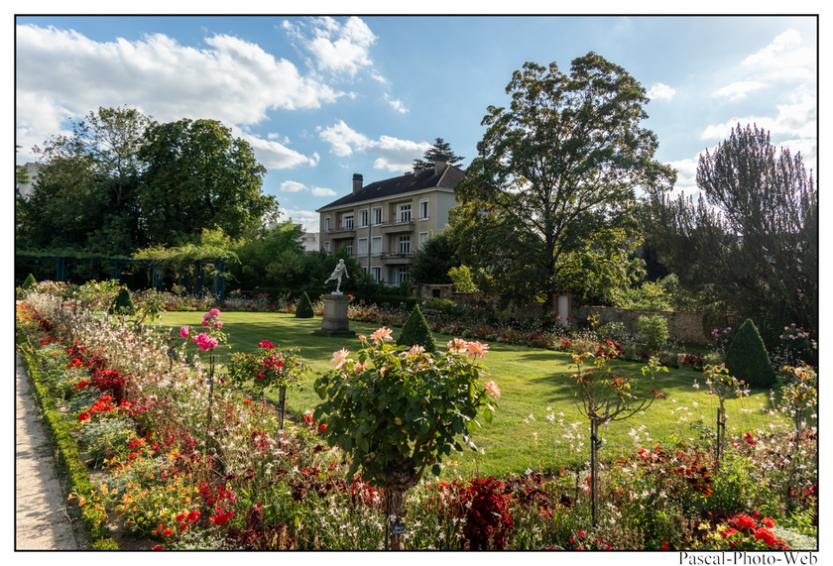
{"x":321,"y":98}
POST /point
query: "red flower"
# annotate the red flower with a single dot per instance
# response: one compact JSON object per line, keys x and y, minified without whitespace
{"x":266,"y":344}
{"x":180,"y":517}
{"x":194,"y":516}
{"x":308,"y":418}
{"x":75,"y":363}
{"x":158,"y":547}
{"x":85,"y":416}
{"x":749,"y":439}
{"x":742,"y":522}
{"x":766,"y":535}
{"x":768,"y":523}
{"x":221,"y":516}
{"x":665,"y":545}
{"x":581,"y":534}
{"x":322,"y":427}
{"x":167,"y":532}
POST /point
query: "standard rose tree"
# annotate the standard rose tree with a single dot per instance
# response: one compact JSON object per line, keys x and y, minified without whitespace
{"x":398,"y":411}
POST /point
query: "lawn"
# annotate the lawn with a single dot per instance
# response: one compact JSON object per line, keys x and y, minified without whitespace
{"x":531,"y":380}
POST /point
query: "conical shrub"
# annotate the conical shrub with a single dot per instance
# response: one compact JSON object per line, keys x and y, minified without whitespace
{"x":304,"y":308}
{"x":123,"y":303}
{"x":747,"y":358}
{"x":29,"y":282}
{"x":416,"y":332}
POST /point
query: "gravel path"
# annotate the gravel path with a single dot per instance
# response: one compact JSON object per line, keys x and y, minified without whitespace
{"x":41,"y":518}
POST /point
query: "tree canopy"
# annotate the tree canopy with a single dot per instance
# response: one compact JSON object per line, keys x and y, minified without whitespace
{"x":553,"y":186}
{"x":439,"y":151}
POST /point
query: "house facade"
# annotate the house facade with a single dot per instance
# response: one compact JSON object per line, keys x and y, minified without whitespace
{"x":384,"y":224}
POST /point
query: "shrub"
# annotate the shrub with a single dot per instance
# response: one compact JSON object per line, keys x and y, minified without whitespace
{"x":443,"y":305}
{"x":416,"y":332}
{"x":653,"y":332}
{"x":615,"y":331}
{"x":123,"y":303}
{"x":747,"y":358}
{"x":29,"y":282}
{"x":304,"y":309}
{"x":462,"y":279}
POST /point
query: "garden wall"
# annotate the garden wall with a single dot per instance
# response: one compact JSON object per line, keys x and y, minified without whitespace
{"x":682,"y":326}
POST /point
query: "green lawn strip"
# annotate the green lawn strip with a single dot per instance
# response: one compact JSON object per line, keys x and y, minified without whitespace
{"x":530,"y":380}
{"x":69,"y":456}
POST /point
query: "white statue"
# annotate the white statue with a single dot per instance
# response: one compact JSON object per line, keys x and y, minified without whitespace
{"x":340,"y":270}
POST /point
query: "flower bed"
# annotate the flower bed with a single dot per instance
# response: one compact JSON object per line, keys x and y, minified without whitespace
{"x":168,"y":479}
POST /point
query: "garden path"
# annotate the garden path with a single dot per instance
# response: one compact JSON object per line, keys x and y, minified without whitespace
{"x":41,"y":517}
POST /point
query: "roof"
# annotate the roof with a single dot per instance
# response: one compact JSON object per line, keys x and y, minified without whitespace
{"x":424,"y":179}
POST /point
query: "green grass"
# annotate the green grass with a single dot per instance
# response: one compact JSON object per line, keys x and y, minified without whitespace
{"x":531,"y":380}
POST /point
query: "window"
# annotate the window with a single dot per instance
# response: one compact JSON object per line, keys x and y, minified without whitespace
{"x":402,"y":274}
{"x":348,"y":247}
{"x":363,"y":218}
{"x":404,"y":213}
{"x":405,"y":245}
{"x":423,"y":237}
{"x":377,"y":215}
{"x":362,"y":247}
{"x":327,"y":224}
{"x":423,"y":209}
{"x":376,"y":273}
{"x":376,"y":246}
{"x":327,"y":245}
{"x":347,"y":221}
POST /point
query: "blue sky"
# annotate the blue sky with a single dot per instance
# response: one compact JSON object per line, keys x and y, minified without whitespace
{"x":322,"y":98}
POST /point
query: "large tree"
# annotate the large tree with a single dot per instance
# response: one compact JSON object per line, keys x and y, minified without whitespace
{"x":749,"y":243}
{"x":569,"y":147}
{"x":199,"y":175}
{"x":438,"y":152}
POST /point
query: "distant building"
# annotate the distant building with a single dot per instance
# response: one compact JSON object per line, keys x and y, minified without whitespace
{"x":25,"y":189}
{"x":310,"y":241}
{"x":385,"y":223}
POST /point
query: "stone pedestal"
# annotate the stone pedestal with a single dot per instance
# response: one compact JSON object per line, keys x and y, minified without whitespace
{"x":335,"y":322}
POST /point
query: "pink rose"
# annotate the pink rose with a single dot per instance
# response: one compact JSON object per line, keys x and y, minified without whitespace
{"x":184,"y":331}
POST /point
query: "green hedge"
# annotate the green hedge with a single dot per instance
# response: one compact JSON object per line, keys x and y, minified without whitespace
{"x":69,"y":457}
{"x":747,"y":358}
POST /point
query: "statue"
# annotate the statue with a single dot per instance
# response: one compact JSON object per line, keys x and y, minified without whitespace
{"x":340,"y":270}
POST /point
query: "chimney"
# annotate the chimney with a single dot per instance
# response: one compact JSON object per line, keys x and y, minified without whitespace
{"x":358,"y":180}
{"x":439,"y":167}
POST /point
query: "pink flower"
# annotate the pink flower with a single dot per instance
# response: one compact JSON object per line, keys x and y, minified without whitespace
{"x":456,"y":345}
{"x":382,"y":335}
{"x":476,"y":349}
{"x":359,"y":367}
{"x":205,"y":342}
{"x":184,"y":331}
{"x":340,"y":358}
{"x":415,"y":350}
{"x":493,"y":390}
{"x":214,"y":313}
{"x":266,"y":344}
{"x":218,"y":324}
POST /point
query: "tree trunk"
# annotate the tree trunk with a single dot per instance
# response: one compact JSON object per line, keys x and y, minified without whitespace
{"x":282,"y":404}
{"x":719,"y":436}
{"x":393,"y":518}
{"x":594,"y":470}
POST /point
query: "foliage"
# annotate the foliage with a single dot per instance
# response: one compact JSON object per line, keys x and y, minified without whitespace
{"x":462,"y":279}
{"x":29,"y":282}
{"x":440,"y":151}
{"x":416,"y":332}
{"x":653,"y":332}
{"x":266,"y":368}
{"x":651,"y":295}
{"x":304,"y":308}
{"x":796,"y":346}
{"x":198,"y":175}
{"x":98,"y":295}
{"x":798,"y":396}
{"x":565,"y":155}
{"x":754,"y":197}
{"x":123,"y":303}
{"x":747,"y":358}
{"x":434,"y":259}
{"x":276,"y":259}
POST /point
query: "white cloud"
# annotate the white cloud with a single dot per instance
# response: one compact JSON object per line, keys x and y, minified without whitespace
{"x":686,"y":175}
{"x":784,"y":59}
{"x":738,"y":90}
{"x":334,"y":46}
{"x":322,"y":192}
{"x":392,"y":153}
{"x":795,"y":118}
{"x":291,"y":187}
{"x":396,"y":104}
{"x":63,"y":73}
{"x":661,"y":91}
{"x":274,"y":155}
{"x":309,"y":219}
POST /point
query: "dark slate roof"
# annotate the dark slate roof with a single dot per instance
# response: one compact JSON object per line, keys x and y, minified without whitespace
{"x":424,"y":179}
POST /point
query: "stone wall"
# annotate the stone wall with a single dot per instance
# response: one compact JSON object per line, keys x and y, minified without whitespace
{"x":682,"y":326}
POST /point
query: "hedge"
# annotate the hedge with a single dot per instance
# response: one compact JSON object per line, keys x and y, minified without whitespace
{"x":69,"y":457}
{"x":747,"y":358}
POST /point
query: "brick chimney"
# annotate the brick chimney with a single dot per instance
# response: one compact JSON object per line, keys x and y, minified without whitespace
{"x":358,"y":181}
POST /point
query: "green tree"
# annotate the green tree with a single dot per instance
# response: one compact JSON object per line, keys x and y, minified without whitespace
{"x":434,"y":259}
{"x":439,"y":151}
{"x":304,"y":308}
{"x":198,"y":175}
{"x":568,"y":145}
{"x":29,"y":282}
{"x":462,"y":279}
{"x":750,"y":242}
{"x":274,"y":260}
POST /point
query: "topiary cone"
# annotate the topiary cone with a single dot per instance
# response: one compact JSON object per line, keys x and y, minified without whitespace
{"x":416,"y":332}
{"x":304,"y":308}
{"x":123,"y":303}
{"x":29,"y":282}
{"x":747,"y":358}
